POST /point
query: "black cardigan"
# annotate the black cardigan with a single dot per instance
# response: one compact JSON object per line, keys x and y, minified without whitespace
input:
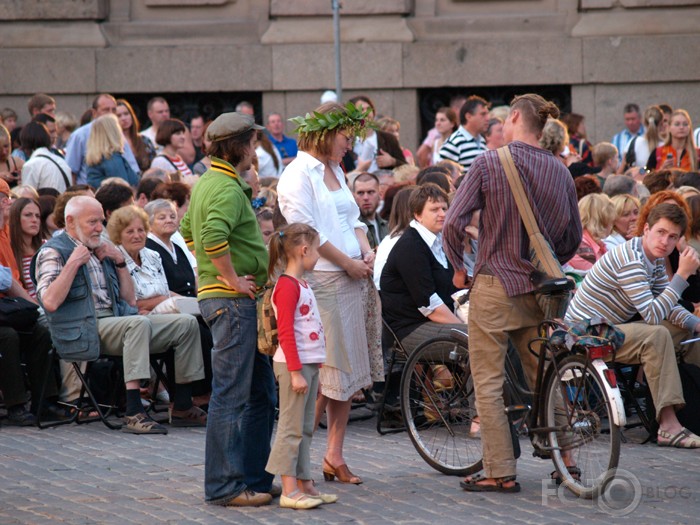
{"x":180,"y":276}
{"x":411,"y":275}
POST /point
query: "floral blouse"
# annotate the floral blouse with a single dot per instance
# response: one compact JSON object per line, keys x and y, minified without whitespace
{"x":149,"y":278}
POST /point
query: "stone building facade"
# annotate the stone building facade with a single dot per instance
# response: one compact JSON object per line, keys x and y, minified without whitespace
{"x":407,"y":55}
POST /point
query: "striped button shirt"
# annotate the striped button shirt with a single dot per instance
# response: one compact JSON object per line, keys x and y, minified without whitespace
{"x":463,"y":148}
{"x":503,"y":241}
{"x":622,"y":140}
{"x":623,"y":283}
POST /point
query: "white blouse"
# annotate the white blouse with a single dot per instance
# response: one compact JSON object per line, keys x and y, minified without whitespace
{"x":304,"y":197}
{"x":149,"y":278}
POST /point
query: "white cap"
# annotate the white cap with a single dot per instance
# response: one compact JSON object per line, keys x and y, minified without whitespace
{"x":329,"y":96}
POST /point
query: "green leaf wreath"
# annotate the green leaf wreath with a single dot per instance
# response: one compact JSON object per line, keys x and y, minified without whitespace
{"x":350,"y":117}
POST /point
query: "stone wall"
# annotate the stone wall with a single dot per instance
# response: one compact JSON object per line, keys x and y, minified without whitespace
{"x":610,"y":51}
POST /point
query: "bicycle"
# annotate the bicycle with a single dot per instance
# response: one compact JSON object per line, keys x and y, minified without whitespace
{"x":576,"y":409}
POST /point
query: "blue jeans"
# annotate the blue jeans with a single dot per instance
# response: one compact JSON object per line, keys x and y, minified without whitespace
{"x":241,"y":409}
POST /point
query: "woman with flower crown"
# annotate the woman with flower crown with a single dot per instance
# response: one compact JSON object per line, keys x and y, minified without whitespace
{"x":312,"y":190}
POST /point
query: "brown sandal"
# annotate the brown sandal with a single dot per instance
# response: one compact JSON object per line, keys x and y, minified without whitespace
{"x":342,"y":472}
{"x":192,"y":417}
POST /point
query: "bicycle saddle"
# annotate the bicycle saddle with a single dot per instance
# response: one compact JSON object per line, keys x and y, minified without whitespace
{"x":554,"y":285}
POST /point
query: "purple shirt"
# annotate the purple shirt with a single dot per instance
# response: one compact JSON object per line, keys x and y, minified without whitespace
{"x":503,"y":241}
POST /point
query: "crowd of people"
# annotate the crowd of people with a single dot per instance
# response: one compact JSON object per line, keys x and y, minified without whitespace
{"x":134,"y":242}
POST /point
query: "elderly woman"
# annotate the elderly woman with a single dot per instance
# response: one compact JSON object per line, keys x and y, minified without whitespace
{"x":182,"y":280}
{"x":312,"y":190}
{"x":127,"y":228}
{"x":626,"y":213}
{"x":597,"y":217}
{"x":555,"y":138}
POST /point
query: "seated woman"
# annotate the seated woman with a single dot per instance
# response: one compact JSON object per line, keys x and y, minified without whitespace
{"x":25,"y":237}
{"x":128,"y":228}
{"x":626,"y":214}
{"x":181,"y":277}
{"x":416,"y":283}
{"x":172,"y":134}
{"x":104,"y":153}
{"x":597,"y":217}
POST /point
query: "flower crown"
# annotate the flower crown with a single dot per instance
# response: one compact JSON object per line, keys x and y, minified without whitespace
{"x":350,"y":117}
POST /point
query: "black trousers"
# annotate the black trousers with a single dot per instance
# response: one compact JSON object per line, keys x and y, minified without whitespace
{"x":30,"y":348}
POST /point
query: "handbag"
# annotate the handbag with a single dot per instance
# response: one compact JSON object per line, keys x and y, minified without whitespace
{"x":18,"y":313}
{"x":541,"y":254}
{"x":267,"y":323}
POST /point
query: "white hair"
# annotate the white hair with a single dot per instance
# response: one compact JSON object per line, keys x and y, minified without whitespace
{"x":77,"y":204}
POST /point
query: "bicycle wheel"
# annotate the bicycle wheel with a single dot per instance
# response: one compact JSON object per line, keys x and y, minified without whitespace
{"x":437,"y":403}
{"x":577,"y":404}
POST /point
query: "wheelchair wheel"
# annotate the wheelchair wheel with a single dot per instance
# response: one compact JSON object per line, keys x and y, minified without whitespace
{"x":577,"y":403}
{"x":437,"y":402}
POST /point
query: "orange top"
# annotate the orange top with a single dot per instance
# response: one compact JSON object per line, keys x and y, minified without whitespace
{"x":663,"y":151}
{"x":7,"y":258}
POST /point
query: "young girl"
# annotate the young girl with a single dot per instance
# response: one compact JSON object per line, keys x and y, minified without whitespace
{"x":301,"y":351}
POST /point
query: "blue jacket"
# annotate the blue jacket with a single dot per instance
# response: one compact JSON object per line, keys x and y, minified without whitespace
{"x":114,"y":166}
{"x":73,"y":325}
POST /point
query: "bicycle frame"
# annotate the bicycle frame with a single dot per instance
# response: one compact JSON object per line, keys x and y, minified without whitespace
{"x":534,"y":415}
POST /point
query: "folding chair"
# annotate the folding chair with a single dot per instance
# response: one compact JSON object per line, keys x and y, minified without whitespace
{"x":86,"y":401}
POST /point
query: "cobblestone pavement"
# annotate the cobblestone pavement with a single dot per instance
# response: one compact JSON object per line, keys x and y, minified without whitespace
{"x":88,"y":474}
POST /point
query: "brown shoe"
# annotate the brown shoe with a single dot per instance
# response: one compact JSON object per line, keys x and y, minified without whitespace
{"x":192,"y":417}
{"x":248,"y":498}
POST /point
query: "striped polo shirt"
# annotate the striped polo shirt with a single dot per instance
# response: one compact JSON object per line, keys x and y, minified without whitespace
{"x":623,"y":283}
{"x":463,"y":148}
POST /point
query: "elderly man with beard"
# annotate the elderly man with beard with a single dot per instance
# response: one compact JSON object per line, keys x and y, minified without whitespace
{"x":86,"y":290}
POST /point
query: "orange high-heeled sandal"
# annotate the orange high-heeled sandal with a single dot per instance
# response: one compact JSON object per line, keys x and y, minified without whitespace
{"x":342,"y":472}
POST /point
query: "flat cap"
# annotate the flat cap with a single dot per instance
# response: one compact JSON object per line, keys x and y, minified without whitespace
{"x":229,"y":125}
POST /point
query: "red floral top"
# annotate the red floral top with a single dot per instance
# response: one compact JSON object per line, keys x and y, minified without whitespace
{"x":299,"y":327}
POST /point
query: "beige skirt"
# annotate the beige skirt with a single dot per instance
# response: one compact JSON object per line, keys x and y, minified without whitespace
{"x":351,"y":316}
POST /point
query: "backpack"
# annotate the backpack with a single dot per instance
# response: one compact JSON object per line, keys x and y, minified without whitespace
{"x":689,"y":415}
{"x":267,"y":323}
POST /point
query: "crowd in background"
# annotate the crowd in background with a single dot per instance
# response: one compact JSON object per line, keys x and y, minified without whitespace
{"x":143,"y":180}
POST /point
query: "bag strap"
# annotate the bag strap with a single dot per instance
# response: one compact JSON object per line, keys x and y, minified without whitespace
{"x":528,"y":218}
{"x":65,"y":178}
{"x":169,"y":160}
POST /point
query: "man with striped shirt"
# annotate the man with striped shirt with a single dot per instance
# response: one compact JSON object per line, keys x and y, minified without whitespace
{"x":633,"y":128}
{"x":629,"y":287}
{"x":465,"y":144}
{"x":503,"y":305}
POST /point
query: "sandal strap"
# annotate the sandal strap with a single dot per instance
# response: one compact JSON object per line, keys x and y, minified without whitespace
{"x":480,"y":476}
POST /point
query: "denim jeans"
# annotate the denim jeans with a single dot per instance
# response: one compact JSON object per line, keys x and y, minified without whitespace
{"x":241,"y":409}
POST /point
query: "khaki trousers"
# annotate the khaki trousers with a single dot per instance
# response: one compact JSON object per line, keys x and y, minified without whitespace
{"x":291,"y":451}
{"x":655,"y":347}
{"x":135,"y":336}
{"x":493,"y":319}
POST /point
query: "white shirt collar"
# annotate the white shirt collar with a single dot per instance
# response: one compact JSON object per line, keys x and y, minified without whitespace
{"x":468,"y":135}
{"x":427,"y":236}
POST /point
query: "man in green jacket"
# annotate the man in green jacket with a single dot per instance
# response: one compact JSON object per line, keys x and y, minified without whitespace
{"x":220,"y":226}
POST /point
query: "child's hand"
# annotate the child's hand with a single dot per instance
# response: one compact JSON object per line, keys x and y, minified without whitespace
{"x":299,"y":384}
